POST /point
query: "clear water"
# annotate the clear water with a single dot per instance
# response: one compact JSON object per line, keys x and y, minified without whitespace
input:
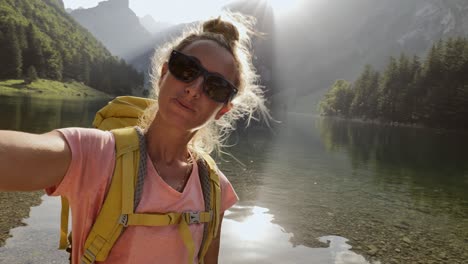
{"x":399,"y":195}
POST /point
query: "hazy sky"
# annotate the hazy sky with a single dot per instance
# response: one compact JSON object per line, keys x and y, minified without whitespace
{"x":177,"y":11}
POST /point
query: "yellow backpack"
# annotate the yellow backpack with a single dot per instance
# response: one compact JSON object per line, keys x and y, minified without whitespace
{"x":118,"y":210}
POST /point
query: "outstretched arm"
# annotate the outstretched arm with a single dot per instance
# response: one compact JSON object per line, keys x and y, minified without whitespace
{"x":31,"y":162}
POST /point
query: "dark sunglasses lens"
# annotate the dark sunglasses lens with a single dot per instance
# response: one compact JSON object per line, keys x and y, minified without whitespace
{"x":218,"y":89}
{"x":183,"y":68}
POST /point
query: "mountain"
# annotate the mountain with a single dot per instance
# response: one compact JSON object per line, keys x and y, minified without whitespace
{"x":116,"y":26}
{"x":152,"y":25}
{"x":328,"y":40}
{"x":262,"y":45}
{"x":39,"y":36}
{"x":142,"y":62}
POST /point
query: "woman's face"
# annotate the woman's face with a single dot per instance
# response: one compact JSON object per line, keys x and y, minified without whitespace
{"x":185,"y":105}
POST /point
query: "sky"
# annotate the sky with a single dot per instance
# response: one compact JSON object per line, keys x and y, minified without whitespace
{"x":179,"y":11}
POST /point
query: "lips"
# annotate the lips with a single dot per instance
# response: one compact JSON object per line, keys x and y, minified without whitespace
{"x":185,"y":105}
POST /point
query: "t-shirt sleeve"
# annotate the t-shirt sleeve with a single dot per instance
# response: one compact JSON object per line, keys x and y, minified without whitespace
{"x":228,"y":195}
{"x":93,"y":158}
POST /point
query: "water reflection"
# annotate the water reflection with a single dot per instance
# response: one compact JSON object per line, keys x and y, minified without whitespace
{"x":37,"y":242}
{"x":396,"y":193}
{"x":250,"y":236}
{"x":430,"y":164}
{"x":33,"y":114}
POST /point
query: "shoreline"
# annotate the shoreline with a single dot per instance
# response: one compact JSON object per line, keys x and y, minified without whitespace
{"x":14,"y":207}
{"x":393,"y":124}
{"x":50,"y":89}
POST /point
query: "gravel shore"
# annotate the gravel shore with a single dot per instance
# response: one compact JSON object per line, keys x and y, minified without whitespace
{"x":15,"y":206}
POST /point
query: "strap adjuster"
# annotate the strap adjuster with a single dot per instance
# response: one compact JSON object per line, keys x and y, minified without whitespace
{"x":88,"y":257}
{"x":123,"y":220}
{"x":192,"y":217}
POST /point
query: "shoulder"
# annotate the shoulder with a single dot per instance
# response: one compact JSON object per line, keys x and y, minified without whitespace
{"x":89,"y":146}
{"x":228,"y":194}
{"x":92,"y":160}
{"x":83,"y":135}
{"x":223,"y":180}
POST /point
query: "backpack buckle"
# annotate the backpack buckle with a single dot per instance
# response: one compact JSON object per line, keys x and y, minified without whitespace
{"x":123,"y":220}
{"x":192,"y":217}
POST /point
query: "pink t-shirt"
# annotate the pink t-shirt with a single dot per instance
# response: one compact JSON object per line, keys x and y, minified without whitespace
{"x":85,"y":186}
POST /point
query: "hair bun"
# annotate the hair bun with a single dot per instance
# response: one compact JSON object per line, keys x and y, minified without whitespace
{"x":218,"y":26}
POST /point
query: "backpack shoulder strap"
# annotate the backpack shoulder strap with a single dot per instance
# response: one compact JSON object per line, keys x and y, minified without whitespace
{"x":119,"y":199}
{"x":127,"y":142}
{"x":64,"y":214}
{"x":209,"y":179}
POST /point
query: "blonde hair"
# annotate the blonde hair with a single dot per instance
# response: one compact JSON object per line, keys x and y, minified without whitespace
{"x":233,"y":33}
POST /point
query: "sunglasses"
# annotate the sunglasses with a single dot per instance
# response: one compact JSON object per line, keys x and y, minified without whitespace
{"x":187,"y":68}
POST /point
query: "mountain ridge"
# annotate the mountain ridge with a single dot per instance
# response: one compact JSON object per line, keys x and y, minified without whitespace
{"x":116,"y":26}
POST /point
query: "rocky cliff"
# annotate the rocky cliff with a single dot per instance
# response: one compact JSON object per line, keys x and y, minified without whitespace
{"x":116,"y":26}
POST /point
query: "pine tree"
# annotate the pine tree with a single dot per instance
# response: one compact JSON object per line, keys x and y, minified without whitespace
{"x":432,"y":82}
{"x":415,"y":91}
{"x":373,"y":96}
{"x":53,"y":63}
{"x":404,"y":79}
{"x":388,"y":91}
{"x":85,"y":65}
{"x":34,"y":53}
{"x":11,"y":54}
{"x":361,"y":92}
{"x":31,"y":75}
{"x":338,"y":99}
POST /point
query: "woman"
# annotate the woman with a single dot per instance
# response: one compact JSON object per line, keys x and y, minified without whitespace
{"x":204,"y":82}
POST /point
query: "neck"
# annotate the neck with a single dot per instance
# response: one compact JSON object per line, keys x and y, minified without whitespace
{"x":167,"y":144}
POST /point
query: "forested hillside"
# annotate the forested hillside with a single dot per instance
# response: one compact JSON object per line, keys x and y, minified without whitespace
{"x":39,"y":36}
{"x":322,"y":41}
{"x":433,"y":92}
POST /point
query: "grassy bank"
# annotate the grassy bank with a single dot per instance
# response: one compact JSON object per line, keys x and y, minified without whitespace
{"x":49,"y":88}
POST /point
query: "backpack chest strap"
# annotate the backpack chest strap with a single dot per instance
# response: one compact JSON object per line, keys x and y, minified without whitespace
{"x":164,"y":219}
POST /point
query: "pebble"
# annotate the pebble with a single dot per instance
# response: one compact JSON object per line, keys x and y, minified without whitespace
{"x":372,"y":250}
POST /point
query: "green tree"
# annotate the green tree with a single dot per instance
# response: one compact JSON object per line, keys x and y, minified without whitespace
{"x":10,"y":54}
{"x":31,"y":75}
{"x":434,"y":93}
{"x":403,"y":85}
{"x":373,"y":96}
{"x":54,"y":66}
{"x":362,"y":88}
{"x":337,"y":100}
{"x":416,"y":93}
{"x":34,"y":55}
{"x":388,"y":91}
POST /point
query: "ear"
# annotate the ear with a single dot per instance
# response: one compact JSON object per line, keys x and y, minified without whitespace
{"x":164,"y":71}
{"x":226,"y":108}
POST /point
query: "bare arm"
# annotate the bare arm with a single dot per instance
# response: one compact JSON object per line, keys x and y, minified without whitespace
{"x":31,"y":162}
{"x":211,"y":256}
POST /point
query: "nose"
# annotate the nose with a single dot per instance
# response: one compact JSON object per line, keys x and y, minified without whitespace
{"x":195,"y":88}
